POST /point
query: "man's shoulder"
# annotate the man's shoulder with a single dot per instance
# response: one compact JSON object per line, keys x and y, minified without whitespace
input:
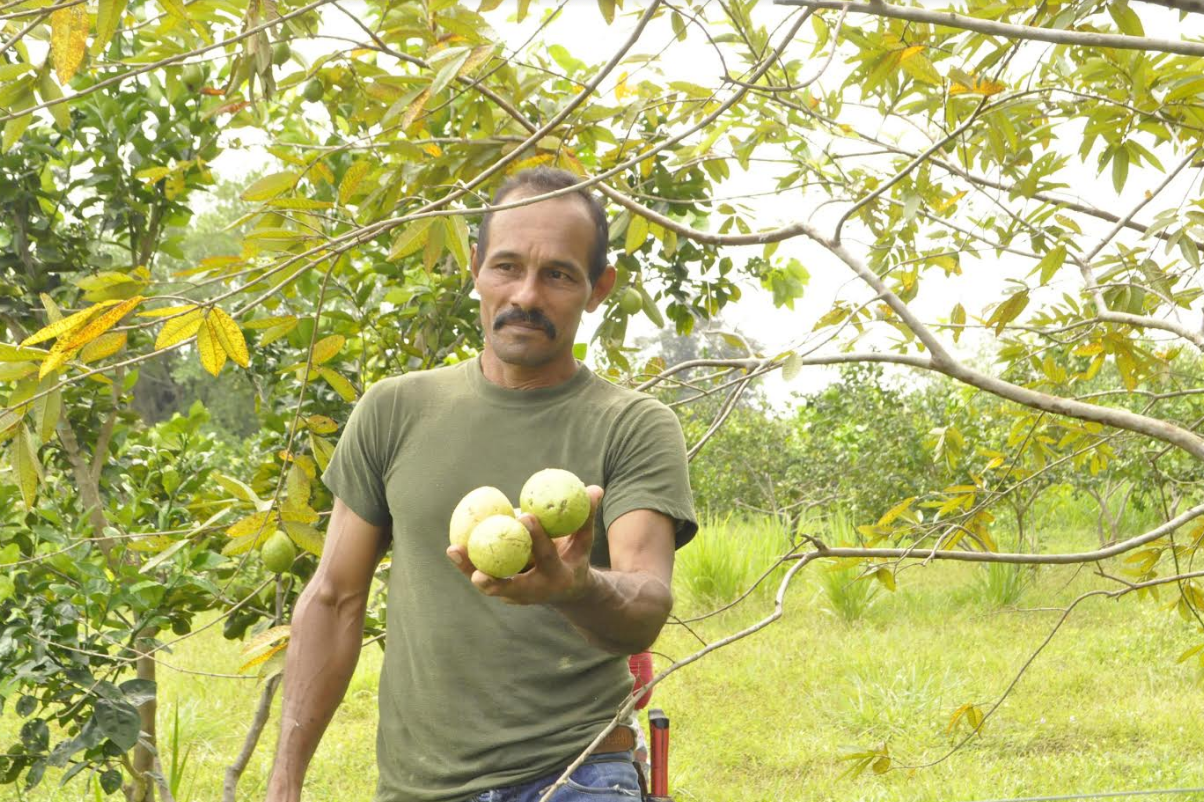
{"x":417,"y":382}
{"x":622,"y":400}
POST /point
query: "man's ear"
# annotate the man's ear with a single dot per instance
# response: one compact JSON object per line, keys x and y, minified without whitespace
{"x":601,"y":289}
{"x":472,"y":263}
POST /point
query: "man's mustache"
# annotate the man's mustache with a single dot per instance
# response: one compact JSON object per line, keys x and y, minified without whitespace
{"x":532,"y":318}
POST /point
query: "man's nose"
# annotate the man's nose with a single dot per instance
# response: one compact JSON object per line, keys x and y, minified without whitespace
{"x":526,"y":295}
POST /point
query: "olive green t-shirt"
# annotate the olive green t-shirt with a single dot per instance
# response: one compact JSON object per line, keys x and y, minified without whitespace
{"x":475,"y":693}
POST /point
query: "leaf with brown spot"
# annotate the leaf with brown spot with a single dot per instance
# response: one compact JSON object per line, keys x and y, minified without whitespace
{"x":68,"y":40}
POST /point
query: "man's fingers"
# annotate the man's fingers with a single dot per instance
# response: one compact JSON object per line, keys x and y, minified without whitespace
{"x":459,"y":557}
{"x":543,"y":550}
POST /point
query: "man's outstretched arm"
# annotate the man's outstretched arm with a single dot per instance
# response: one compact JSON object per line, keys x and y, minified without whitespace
{"x":621,"y":610}
{"x":324,"y":644}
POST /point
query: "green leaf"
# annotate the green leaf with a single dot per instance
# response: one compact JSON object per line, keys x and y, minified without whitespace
{"x":958,"y":318}
{"x":270,"y":186}
{"x":119,"y":721}
{"x":351,"y":180}
{"x":1008,"y":311}
{"x":607,"y":7}
{"x":637,"y":233}
{"x":28,"y":468}
{"x":650,"y":308}
{"x":410,"y":239}
{"x":1120,"y":168}
{"x":457,"y":240}
{"x":108,"y":17}
{"x":1126,"y":18}
{"x":451,"y":69}
{"x":339,"y":383}
{"x":792,"y":366}
{"x":1050,"y":264}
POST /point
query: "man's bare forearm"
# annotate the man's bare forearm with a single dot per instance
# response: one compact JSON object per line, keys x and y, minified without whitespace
{"x":620,"y":611}
{"x":323,"y":650}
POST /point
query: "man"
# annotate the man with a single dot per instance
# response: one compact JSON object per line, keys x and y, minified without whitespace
{"x":490,"y":688}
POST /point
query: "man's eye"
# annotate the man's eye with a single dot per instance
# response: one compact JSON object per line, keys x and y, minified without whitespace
{"x":503,"y":266}
{"x":559,"y":275}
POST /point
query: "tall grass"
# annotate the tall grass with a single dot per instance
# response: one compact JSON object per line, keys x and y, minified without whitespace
{"x":726,"y":557}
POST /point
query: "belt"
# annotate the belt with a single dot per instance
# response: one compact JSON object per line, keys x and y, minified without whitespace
{"x":620,"y":739}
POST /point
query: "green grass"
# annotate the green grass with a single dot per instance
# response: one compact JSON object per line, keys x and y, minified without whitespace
{"x":767,"y":718}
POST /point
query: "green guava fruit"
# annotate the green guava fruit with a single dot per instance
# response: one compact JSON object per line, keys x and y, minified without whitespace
{"x":500,"y":546}
{"x":558,"y":499}
{"x":278,"y":553}
{"x":632,"y":301}
{"x":192,"y":75}
{"x":313,"y":91}
{"x":475,"y":507}
{"x":281,"y":53}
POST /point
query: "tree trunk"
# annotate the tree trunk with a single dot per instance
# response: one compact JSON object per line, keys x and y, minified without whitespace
{"x":235,"y":770}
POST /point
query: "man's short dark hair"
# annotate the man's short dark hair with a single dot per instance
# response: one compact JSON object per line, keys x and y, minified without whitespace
{"x":538,"y":180}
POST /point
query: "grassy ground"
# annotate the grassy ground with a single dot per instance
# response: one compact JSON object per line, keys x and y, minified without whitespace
{"x":1104,"y":707}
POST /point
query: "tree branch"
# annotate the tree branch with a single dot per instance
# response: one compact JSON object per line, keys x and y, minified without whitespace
{"x":949,"y":19}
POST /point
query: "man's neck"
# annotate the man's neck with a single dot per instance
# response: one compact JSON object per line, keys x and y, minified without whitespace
{"x":519,"y":377}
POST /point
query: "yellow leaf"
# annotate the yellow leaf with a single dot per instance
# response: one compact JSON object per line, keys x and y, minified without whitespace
{"x":57,"y":357}
{"x":266,"y":641}
{"x":298,"y":205}
{"x":637,"y":233}
{"x":320,"y":424}
{"x":911,"y":51}
{"x":213,"y":356}
{"x":255,"y":523}
{"x":61,"y":327}
{"x":263,"y":658}
{"x":534,"y":161}
{"x":351,"y":180}
{"x":268,"y":322}
{"x":153,"y":175}
{"x":322,"y":449}
{"x":415,"y":109}
{"x":229,"y":335}
{"x":102,"y":324}
{"x":152,"y":544}
{"x":298,"y":513}
{"x":305,"y":536}
{"x":244,"y":543}
{"x":479,"y":56}
{"x":339,"y":382}
{"x":327,"y":347}
{"x":952,"y":199}
{"x":621,"y":89}
{"x":433,"y":149}
{"x":270,"y":186}
{"x":179,"y":329}
{"x":68,"y":38}
{"x":12,"y":371}
{"x":297,"y":486}
{"x":981,"y":86}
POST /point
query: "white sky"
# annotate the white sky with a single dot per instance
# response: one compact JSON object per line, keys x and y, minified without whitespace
{"x":582,"y":30}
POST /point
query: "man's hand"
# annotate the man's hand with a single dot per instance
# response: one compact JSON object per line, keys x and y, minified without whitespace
{"x":560,"y":570}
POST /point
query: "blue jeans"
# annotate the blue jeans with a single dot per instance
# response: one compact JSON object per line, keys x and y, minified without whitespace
{"x":608,"y":777}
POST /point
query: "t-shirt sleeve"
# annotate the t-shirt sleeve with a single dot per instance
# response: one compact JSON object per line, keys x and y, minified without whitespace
{"x":356,"y":473}
{"x":646,"y":468}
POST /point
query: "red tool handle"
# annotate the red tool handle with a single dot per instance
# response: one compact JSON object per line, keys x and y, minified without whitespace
{"x":641,"y":669}
{"x":658,"y":722}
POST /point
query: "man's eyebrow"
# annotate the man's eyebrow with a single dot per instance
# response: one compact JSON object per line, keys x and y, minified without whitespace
{"x":557,"y":263}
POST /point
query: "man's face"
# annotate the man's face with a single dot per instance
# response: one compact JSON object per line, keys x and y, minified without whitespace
{"x":534,"y":281}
